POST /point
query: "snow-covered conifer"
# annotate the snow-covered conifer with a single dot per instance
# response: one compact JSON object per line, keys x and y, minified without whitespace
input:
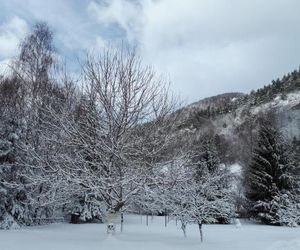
{"x":272,"y":171}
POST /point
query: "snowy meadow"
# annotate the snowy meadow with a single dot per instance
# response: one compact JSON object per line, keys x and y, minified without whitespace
{"x":137,"y":235}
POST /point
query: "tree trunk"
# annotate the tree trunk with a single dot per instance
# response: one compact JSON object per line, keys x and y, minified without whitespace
{"x":74,"y":218}
{"x":122,"y":221}
{"x":200,"y":230}
{"x":183,"y":227}
{"x":165,"y":217}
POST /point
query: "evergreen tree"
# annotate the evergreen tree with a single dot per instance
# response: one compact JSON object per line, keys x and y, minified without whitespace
{"x":206,"y":157}
{"x":270,"y":173}
{"x":14,"y":206}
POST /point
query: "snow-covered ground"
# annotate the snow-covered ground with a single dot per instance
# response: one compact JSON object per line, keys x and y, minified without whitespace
{"x":137,"y":235}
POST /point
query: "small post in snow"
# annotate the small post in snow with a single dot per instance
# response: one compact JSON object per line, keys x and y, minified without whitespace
{"x":112,"y":220}
{"x":165,"y":217}
{"x":237,"y":223}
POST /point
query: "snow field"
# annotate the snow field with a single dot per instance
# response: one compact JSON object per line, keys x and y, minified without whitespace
{"x":138,"y":236}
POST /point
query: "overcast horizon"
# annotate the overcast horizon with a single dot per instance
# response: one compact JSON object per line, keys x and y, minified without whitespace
{"x":204,"y":47}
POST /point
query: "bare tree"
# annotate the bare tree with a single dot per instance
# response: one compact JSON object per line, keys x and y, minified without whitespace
{"x":116,"y":132}
{"x":36,"y":59}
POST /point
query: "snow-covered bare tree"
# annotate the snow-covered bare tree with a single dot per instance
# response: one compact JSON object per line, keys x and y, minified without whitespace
{"x":194,"y":196}
{"x":209,"y":200}
{"x":177,"y":180}
{"x":108,"y":143}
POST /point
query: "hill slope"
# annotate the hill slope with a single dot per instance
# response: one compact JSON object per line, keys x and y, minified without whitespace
{"x":232,"y":117}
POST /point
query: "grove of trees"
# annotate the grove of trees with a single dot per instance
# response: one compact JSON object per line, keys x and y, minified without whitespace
{"x":107,"y":142}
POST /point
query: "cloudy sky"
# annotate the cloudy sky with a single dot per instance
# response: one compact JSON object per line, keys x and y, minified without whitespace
{"x":205,"y":47}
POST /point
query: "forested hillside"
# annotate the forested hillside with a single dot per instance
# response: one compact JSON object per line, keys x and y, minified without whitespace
{"x":233,"y":117}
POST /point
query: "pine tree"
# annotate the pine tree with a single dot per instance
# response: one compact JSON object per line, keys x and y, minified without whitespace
{"x":14,"y":205}
{"x":270,"y":173}
{"x":206,"y":157}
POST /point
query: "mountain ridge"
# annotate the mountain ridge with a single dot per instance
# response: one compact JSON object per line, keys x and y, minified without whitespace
{"x":233,"y":117}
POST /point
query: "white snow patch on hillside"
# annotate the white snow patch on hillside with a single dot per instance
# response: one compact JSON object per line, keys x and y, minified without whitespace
{"x":236,"y":169}
{"x":291,"y":100}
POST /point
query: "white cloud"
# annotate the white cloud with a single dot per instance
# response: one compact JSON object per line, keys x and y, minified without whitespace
{"x":208,"y":47}
{"x":205,"y":47}
{"x":100,"y":43}
{"x":4,"y":66}
{"x":126,"y":14}
{"x":11,"y":34}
